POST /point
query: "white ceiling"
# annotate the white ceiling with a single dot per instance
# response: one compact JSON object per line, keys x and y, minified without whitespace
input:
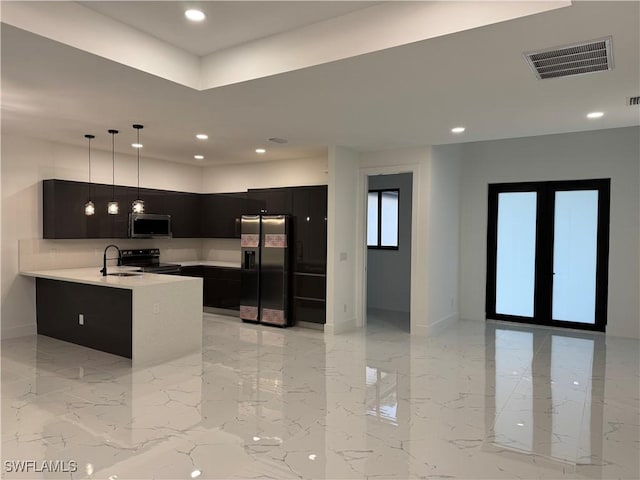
{"x":405,"y":96}
{"x":227,"y":23}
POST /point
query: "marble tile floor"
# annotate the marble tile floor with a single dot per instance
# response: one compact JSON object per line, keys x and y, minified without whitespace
{"x":477,"y":401}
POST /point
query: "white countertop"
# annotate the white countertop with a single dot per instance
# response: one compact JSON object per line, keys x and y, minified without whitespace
{"x":209,"y":263}
{"x":92,"y":276}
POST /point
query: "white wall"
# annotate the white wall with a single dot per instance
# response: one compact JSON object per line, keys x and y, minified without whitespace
{"x":443,"y":235}
{"x":282,"y":173}
{"x":596,"y":154}
{"x":389,"y":271}
{"x":341,"y":240}
{"x":25,"y":163}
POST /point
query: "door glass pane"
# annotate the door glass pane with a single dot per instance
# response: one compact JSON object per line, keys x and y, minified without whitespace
{"x":574,"y":256}
{"x":389,"y":219}
{"x":372,"y":219}
{"x":516,"y":255}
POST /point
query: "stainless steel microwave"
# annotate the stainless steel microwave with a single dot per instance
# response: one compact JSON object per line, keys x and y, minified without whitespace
{"x":149,"y":225}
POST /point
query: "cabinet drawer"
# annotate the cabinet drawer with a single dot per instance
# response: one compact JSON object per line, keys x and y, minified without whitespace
{"x":310,"y":286}
{"x":305,"y":310}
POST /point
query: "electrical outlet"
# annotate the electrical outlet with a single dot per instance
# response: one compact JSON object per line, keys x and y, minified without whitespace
{"x":53,"y":252}
{"x":156,"y":308}
{"x":345,"y":308}
{"x":80,"y":319}
{"x":343,"y":256}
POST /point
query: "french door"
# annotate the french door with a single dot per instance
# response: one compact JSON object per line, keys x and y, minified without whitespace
{"x":548,"y":253}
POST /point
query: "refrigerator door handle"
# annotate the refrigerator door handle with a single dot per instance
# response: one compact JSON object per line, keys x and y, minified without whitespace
{"x":249,"y":260}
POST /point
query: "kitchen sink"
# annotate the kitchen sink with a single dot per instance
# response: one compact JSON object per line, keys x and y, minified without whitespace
{"x":125,"y":274}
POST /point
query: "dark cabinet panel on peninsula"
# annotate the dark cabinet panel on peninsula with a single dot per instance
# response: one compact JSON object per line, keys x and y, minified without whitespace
{"x":93,"y":316}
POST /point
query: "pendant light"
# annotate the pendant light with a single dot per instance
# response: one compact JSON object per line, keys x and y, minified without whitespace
{"x":138,"y":205}
{"x":112,"y":207}
{"x":89,"y":207}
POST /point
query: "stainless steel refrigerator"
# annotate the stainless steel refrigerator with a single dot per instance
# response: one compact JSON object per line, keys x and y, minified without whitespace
{"x":265,"y":277}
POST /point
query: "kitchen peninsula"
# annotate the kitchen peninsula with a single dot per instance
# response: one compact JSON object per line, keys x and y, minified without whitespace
{"x":146,"y":317}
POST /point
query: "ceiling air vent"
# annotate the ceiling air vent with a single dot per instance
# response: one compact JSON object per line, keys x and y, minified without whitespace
{"x":577,"y":59}
{"x":634,"y":101}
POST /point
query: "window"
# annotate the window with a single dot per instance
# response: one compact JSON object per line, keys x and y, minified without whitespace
{"x":382,"y":219}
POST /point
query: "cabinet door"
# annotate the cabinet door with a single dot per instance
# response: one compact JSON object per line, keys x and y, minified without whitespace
{"x":309,"y":310}
{"x":101,"y":224}
{"x":208,"y":208}
{"x":316,"y":252}
{"x":222,"y":287}
{"x":63,"y":209}
{"x":220,"y":217}
{"x":155,"y":201}
{"x":310,"y":229}
{"x":229,"y":288}
{"x":276,"y":201}
{"x":125,"y":197}
{"x":184,"y":209}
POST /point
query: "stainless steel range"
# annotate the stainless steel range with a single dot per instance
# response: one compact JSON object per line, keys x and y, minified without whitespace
{"x":148,"y":260}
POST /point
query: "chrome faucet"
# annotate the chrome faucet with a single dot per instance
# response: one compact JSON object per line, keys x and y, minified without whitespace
{"x":104,"y":258}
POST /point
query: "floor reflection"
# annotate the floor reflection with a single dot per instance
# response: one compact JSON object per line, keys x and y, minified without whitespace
{"x":476,"y":401}
{"x":546,"y":400}
{"x":382,"y":395}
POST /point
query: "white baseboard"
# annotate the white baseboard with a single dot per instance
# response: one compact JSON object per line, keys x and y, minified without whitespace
{"x":434,"y":328}
{"x":21,"y":331}
{"x":343,"y":327}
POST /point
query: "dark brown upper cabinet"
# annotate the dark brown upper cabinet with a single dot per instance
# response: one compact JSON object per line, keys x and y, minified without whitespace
{"x":271,"y":201}
{"x":193,"y":215}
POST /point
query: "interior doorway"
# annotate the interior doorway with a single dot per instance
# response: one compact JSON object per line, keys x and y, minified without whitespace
{"x":388,"y":235}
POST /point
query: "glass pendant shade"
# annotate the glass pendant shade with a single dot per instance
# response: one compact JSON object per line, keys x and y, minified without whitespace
{"x":137,"y":206}
{"x":89,"y":208}
{"x":113,"y":208}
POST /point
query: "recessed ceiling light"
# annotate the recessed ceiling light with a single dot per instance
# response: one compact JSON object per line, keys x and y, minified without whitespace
{"x":202,"y":136}
{"x":595,"y":115}
{"x":260,"y":150}
{"x":457,"y":130}
{"x":136,"y":145}
{"x":194,"y":15}
{"x":199,"y":157}
{"x":196,"y":473}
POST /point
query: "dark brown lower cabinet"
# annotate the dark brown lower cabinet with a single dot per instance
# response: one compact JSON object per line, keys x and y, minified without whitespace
{"x":309,"y":297}
{"x":106,"y":315}
{"x":221,"y":285}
